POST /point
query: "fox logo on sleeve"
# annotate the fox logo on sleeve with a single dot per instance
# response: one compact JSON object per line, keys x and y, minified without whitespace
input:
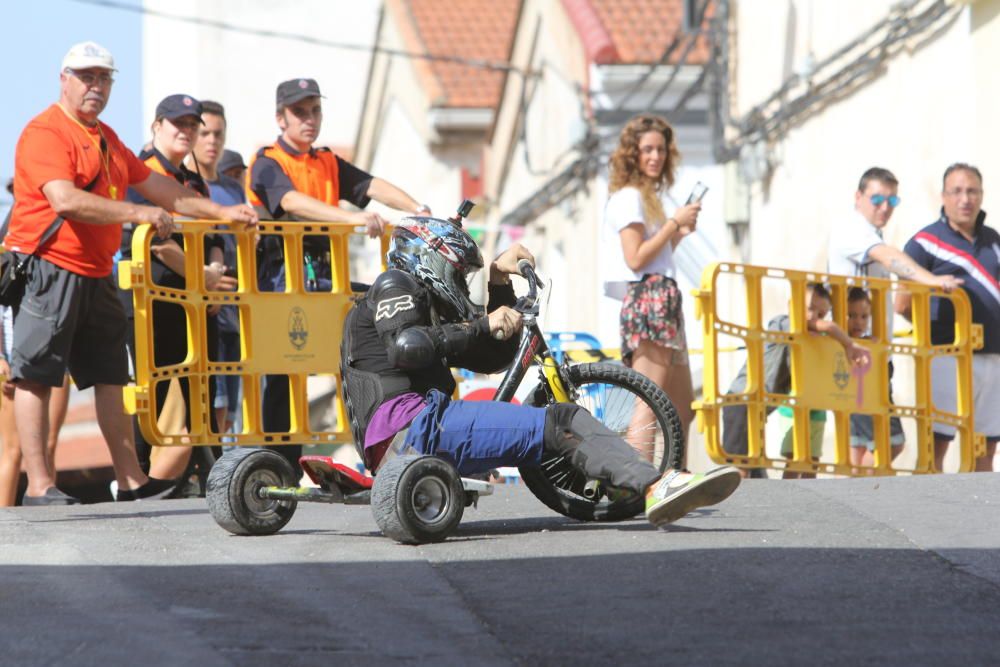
{"x":388,"y":308}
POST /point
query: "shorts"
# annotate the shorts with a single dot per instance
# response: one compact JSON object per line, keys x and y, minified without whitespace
{"x":985,"y":393}
{"x":8,"y":330}
{"x":817,"y":427}
{"x":863,"y":432}
{"x":69,"y":321}
{"x":652,"y":311}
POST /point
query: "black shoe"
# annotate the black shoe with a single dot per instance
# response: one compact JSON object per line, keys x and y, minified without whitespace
{"x":154,"y":489}
{"x":188,"y":487}
{"x":53,"y":496}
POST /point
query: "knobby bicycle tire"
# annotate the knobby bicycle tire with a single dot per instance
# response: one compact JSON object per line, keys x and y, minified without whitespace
{"x":560,"y":486}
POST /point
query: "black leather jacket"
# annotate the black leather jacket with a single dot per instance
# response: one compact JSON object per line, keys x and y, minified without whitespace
{"x":392,"y":345}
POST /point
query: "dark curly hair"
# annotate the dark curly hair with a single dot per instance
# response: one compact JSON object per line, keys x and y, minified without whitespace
{"x":624,"y":171}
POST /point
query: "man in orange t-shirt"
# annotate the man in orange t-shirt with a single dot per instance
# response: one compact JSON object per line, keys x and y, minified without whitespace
{"x":71,"y":166}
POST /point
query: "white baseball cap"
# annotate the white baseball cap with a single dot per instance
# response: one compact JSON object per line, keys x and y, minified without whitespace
{"x":88,"y":54}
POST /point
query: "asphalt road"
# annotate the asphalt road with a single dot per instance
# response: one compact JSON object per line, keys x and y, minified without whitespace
{"x":902,"y":571}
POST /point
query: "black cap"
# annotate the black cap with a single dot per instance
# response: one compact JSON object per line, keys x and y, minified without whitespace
{"x":290,"y":92}
{"x":230,"y":159}
{"x":178,"y":106}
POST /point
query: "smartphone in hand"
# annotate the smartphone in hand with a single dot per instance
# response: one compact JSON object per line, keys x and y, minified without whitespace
{"x":697,"y":193}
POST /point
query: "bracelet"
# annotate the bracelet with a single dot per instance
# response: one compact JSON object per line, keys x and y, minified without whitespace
{"x":673,"y":220}
{"x":423,"y":208}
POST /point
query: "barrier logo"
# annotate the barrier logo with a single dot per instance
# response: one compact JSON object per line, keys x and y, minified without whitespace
{"x":841,"y":376}
{"x":298,"y":328}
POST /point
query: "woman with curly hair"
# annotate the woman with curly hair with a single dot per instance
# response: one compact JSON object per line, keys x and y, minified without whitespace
{"x":649,"y":224}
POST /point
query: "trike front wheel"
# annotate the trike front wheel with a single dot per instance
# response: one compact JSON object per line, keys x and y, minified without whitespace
{"x":630,"y":405}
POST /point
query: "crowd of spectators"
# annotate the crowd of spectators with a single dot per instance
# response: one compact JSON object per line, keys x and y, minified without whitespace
{"x":644,"y":224}
{"x":79,"y":193}
{"x":958,"y":251}
{"x":75,"y":177}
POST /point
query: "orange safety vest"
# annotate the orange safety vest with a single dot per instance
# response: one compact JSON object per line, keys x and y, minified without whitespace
{"x":155,"y":165}
{"x":199,"y":185}
{"x":314,"y":173}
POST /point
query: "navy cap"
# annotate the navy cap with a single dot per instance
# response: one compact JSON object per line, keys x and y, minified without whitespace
{"x":290,"y":92}
{"x":230,"y":160}
{"x":178,"y":106}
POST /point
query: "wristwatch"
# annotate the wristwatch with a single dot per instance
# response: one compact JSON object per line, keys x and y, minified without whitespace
{"x":424,"y":208}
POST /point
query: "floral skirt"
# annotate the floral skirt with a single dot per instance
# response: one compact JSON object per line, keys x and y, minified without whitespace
{"x":652,"y":311}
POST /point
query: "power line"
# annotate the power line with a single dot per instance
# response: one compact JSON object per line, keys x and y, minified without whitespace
{"x":802,"y":95}
{"x":480,"y":63}
{"x":566,"y":183}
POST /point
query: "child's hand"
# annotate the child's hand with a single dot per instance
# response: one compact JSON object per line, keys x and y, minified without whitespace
{"x":858,"y":355}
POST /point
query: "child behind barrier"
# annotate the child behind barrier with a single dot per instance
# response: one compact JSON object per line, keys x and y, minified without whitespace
{"x":778,"y":380}
{"x":859,"y":315}
{"x":818,"y":306}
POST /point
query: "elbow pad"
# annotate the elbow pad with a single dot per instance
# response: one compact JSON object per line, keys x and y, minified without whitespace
{"x":419,"y":347}
{"x":412,"y":349}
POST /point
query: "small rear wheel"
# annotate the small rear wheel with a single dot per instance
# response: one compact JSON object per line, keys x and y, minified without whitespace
{"x":234,"y":492}
{"x":417,"y":499}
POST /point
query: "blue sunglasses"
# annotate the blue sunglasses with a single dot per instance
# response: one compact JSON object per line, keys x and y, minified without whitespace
{"x":877,"y":200}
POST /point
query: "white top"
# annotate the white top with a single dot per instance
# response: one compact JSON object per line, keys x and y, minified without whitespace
{"x":850,"y":242}
{"x":624,"y":208}
{"x":847,"y":255}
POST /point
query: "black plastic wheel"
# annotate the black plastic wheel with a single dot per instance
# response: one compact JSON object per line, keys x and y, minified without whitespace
{"x":417,"y":499}
{"x":233,"y":492}
{"x":612,"y":394}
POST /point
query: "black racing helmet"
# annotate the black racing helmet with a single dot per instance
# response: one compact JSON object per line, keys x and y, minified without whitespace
{"x":443,"y":257}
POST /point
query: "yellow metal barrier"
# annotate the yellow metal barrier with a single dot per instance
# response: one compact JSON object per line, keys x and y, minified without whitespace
{"x":820,"y":377}
{"x":295,"y":333}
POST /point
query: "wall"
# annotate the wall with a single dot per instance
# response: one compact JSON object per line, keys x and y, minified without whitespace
{"x":242,"y":71}
{"x":933,"y":104}
{"x":568,"y":238}
{"x":522,"y":158}
{"x":986,"y":54}
{"x":906,"y":120}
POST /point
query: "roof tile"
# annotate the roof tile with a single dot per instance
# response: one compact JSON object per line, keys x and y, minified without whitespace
{"x":481,"y":29}
{"x":641,"y":30}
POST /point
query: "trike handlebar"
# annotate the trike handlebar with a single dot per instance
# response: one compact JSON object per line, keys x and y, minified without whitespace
{"x":528,"y":304}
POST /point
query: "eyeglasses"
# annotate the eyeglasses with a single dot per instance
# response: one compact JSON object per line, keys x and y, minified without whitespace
{"x":972,"y":193}
{"x":89,"y":78}
{"x":878,"y":200}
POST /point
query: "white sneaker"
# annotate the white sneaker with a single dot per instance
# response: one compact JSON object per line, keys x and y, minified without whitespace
{"x":677,"y":493}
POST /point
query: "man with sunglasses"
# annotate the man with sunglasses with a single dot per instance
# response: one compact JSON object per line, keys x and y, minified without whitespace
{"x":71,"y":174}
{"x":857,"y":248}
{"x":960,"y":245}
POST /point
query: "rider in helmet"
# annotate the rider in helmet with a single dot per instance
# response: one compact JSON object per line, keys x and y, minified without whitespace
{"x":418,"y":320}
